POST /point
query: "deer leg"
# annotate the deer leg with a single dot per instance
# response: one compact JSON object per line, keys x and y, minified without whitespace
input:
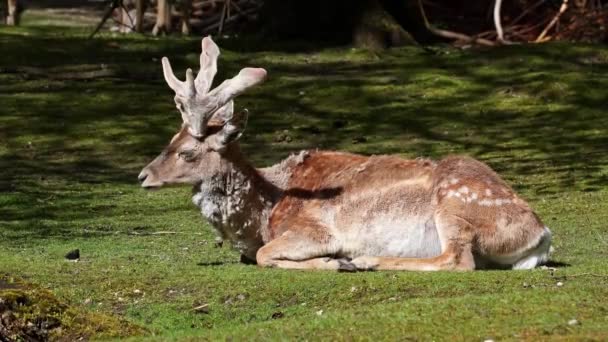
{"x":298,"y":251}
{"x":456,"y":246}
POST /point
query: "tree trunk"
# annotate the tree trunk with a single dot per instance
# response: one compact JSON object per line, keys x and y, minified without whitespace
{"x":163,"y":18}
{"x":186,"y":10}
{"x":374,"y":24}
{"x":140,"y":9}
{"x":14,"y":13}
{"x":376,"y":29}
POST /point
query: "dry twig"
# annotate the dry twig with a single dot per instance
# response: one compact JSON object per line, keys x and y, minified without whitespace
{"x":541,"y":37}
{"x":451,"y":34}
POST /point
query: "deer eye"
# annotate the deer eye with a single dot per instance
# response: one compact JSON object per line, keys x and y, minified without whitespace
{"x":187,"y":155}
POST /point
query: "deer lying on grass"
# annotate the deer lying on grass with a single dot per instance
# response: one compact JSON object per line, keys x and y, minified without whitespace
{"x":339,"y":211}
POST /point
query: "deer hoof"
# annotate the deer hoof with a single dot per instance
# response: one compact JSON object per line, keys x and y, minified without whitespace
{"x":366,"y":263}
{"x":346,"y":266}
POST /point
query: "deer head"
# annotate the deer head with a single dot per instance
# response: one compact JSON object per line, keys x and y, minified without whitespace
{"x":210,"y":125}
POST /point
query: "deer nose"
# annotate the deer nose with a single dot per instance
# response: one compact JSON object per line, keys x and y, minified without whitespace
{"x":142,"y":176}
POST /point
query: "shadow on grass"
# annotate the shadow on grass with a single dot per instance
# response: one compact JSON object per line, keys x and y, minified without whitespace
{"x":534,"y":113}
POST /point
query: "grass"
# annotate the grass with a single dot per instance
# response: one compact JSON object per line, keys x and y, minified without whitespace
{"x":70,"y":150}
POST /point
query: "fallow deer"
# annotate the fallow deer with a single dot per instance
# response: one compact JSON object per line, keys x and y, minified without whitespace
{"x":335,"y":210}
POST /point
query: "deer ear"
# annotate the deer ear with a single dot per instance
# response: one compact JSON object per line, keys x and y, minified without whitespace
{"x":234,"y":126}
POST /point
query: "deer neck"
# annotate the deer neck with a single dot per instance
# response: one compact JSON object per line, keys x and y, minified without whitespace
{"x":237,"y":201}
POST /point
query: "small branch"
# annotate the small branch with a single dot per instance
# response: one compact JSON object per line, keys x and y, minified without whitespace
{"x":209,"y":28}
{"x":527,"y":11}
{"x":114,"y":5}
{"x":562,"y":9}
{"x":125,"y":10}
{"x":451,"y":34}
{"x":223,"y":18}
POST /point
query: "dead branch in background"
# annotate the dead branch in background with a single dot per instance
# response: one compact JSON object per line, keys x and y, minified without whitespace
{"x":555,"y":19}
{"x":451,"y":34}
{"x":185,"y":16}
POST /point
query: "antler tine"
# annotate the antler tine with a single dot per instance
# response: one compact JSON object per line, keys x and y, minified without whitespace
{"x":182,"y":88}
{"x":218,"y":101}
{"x":194,"y":100}
{"x":208,"y":60}
{"x":245,"y":79}
{"x":172,"y":81}
{"x":189,"y":85}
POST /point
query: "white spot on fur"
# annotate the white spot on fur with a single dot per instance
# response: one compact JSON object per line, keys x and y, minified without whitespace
{"x":472,"y":198}
{"x":501,"y":201}
{"x":486,"y":202}
{"x":454,"y":180}
{"x":488,"y":192}
{"x":464,"y":190}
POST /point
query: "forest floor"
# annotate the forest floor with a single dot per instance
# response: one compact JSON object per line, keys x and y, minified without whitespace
{"x":80,"y":118}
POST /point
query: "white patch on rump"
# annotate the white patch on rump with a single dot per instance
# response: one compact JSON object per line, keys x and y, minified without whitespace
{"x":535,"y":253}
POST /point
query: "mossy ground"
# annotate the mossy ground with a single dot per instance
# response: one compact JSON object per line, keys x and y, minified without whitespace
{"x":29,"y":313}
{"x":70,"y":151}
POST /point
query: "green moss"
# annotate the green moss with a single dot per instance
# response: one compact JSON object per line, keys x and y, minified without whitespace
{"x":31,"y":312}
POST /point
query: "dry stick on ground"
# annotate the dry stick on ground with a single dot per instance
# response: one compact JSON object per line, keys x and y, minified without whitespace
{"x":562,"y":9}
{"x":451,"y":34}
{"x":492,"y":33}
{"x":526,"y":29}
